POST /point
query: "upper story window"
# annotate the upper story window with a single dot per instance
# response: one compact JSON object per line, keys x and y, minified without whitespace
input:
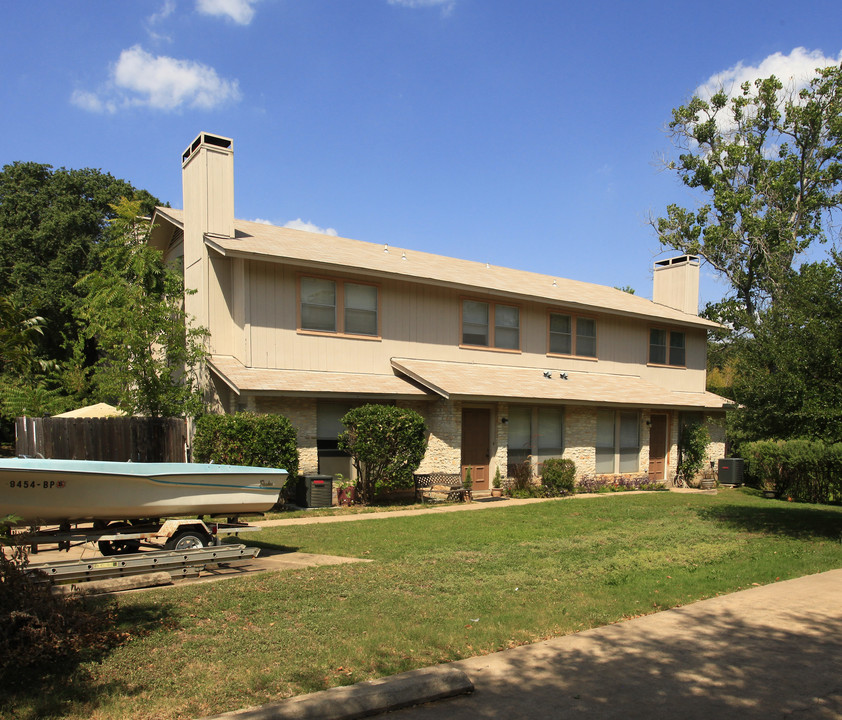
{"x":666,"y":347}
{"x":572,"y":335}
{"x":490,"y":325}
{"x":338,"y":306}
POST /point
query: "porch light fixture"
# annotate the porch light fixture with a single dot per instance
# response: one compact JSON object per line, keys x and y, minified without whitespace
{"x":504,"y":420}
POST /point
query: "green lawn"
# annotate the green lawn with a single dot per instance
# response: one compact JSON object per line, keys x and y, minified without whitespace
{"x":441,"y":587}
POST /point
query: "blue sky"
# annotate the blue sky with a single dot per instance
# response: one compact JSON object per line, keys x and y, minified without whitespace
{"x":520,"y":133}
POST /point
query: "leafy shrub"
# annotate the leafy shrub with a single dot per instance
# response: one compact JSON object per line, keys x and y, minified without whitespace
{"x":558,"y":476}
{"x":804,"y":470}
{"x":247,"y":439}
{"x":386,"y":443}
{"x":692,"y":448}
{"x":621,"y":483}
{"x":519,"y":481}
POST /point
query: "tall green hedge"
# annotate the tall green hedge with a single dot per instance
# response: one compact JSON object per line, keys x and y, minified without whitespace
{"x":247,"y":439}
{"x":804,"y":470}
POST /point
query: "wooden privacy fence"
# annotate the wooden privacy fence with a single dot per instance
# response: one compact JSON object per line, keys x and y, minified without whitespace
{"x":120,"y":439}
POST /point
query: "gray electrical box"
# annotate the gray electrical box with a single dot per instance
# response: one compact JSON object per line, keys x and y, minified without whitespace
{"x":731,"y":471}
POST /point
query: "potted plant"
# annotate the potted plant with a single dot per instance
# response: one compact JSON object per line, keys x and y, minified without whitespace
{"x":468,"y":484}
{"x":346,"y":491}
{"x":496,"y":485}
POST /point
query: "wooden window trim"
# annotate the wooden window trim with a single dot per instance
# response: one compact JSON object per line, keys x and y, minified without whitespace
{"x":339,"y":308}
{"x":574,"y":318}
{"x":492,"y":304}
{"x":667,"y":364}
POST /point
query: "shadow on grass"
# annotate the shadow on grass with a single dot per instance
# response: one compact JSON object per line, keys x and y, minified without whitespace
{"x":689,"y":664}
{"x":36,"y":693}
{"x":791,"y":520}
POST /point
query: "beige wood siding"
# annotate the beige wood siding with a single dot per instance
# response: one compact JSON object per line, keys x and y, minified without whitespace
{"x":422,"y":321}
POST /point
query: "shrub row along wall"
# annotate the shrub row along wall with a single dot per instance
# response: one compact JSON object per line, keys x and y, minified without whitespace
{"x":804,"y":470}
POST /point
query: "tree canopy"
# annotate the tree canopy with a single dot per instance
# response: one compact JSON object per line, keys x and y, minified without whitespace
{"x":150,"y":355}
{"x":52,"y":226}
{"x":788,"y":378}
{"x":770,"y":162}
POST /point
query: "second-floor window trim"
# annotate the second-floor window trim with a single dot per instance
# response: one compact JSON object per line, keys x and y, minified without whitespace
{"x":490,"y":325}
{"x":667,"y":347}
{"x":338,"y":307}
{"x":571,"y":335}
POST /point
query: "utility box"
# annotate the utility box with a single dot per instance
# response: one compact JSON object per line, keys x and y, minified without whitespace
{"x":314,"y":491}
{"x":731,"y":471}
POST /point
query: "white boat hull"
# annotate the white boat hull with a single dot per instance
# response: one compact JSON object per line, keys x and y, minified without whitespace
{"x":51,"y":491}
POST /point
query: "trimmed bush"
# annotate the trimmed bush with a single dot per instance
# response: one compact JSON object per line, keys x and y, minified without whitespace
{"x":558,"y":476}
{"x":803,"y":470}
{"x":247,"y":439}
{"x":387,"y":444}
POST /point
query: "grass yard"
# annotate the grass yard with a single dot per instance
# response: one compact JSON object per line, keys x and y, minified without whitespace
{"x":441,"y":587}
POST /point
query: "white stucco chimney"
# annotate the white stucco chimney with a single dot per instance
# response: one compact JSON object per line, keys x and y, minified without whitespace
{"x":676,"y":283}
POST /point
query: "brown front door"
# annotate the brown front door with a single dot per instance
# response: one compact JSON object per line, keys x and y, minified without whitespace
{"x":476,"y":445}
{"x":657,"y":447}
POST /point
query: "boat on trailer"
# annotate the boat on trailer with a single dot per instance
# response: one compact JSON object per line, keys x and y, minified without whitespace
{"x":42,"y":491}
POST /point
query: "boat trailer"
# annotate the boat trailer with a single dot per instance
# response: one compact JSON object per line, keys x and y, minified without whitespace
{"x":177,"y":564}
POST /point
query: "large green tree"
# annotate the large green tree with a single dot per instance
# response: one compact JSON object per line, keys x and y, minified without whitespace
{"x":52,"y":226}
{"x":788,"y":379}
{"x":768,"y":161}
{"x":150,"y":355}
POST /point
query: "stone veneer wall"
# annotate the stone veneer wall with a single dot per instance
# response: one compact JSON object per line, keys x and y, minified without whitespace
{"x":500,"y":444}
{"x":444,"y":423}
{"x":301,"y":412}
{"x":580,"y":439}
{"x":444,"y":442}
{"x":716,"y":428}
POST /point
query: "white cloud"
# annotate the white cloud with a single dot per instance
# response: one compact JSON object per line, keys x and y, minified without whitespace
{"x":160,"y":82}
{"x":240,"y":11}
{"x":167,"y":9}
{"x":794,"y":71}
{"x":299,"y":224}
{"x":445,"y":5}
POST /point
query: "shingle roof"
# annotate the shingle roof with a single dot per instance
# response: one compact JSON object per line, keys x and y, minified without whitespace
{"x":309,"y":382}
{"x":501,"y":382}
{"x":329,"y":252}
{"x":462,"y":380}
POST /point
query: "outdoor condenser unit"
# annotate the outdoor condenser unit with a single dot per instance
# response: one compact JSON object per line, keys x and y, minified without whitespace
{"x":731,"y":471}
{"x":315,"y":491}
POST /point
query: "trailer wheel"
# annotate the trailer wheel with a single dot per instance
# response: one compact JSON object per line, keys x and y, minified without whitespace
{"x":118,"y":547}
{"x":187,"y":540}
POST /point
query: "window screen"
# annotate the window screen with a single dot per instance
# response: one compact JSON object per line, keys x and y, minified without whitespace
{"x":360,"y":309}
{"x":474,"y":323}
{"x":318,"y":304}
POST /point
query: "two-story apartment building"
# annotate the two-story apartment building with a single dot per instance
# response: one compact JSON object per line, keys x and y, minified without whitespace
{"x":503,"y":364}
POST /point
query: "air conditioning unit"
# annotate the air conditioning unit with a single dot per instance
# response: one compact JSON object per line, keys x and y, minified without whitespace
{"x":731,"y":471}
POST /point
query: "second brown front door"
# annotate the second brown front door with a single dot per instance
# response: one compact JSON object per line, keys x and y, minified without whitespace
{"x":657,"y":447}
{"x":476,"y":445}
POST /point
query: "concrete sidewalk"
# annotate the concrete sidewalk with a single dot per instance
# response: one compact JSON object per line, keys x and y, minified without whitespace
{"x":769,"y":652}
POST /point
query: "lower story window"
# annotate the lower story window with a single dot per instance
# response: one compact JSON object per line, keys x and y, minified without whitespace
{"x":617,"y":442}
{"x":535,"y":432}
